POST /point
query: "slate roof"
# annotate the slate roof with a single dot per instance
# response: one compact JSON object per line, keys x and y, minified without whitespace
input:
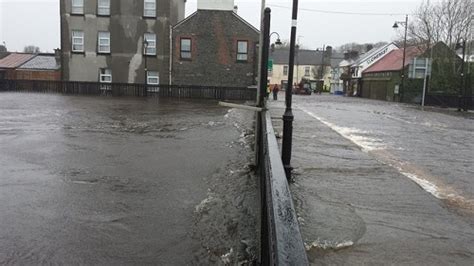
{"x":15,"y":60}
{"x":303,"y":57}
{"x":41,"y":62}
{"x":393,"y":61}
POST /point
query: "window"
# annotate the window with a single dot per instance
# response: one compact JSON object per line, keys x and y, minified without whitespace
{"x":77,"y":7}
{"x":77,"y":41}
{"x":242,"y":50}
{"x":306,"y":71}
{"x":152,"y":78}
{"x":149,"y":8}
{"x":150,"y":44}
{"x":185,"y":48}
{"x":285,"y":70}
{"x":103,"y":8}
{"x":105,"y":75}
{"x":104,"y":42}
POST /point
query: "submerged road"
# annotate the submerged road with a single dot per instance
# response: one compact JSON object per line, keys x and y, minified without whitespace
{"x":99,"y":180}
{"x":382,"y":183}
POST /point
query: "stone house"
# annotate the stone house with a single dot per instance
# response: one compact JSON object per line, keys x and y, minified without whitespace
{"x":215,"y":47}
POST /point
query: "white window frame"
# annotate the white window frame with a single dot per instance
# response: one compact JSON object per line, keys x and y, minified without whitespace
{"x":242,"y":56}
{"x":77,"y":7}
{"x":149,"y":8}
{"x":285,"y":70}
{"x":106,"y":46}
{"x":103,"y":7}
{"x":152,"y":75}
{"x":307,"y":71}
{"x":103,"y":74}
{"x":150,"y":38}
{"x":187,"y":53}
{"x":77,"y":39}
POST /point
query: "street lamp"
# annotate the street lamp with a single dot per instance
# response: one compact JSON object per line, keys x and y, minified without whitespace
{"x":288,"y":116}
{"x":462,"y":90}
{"x":395,"y":26}
{"x":278,"y":40}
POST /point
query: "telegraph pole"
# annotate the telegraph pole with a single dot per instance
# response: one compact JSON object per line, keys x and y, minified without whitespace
{"x":288,"y":116}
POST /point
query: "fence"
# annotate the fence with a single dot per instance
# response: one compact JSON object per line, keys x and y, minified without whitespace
{"x":453,"y":101}
{"x":281,"y":241}
{"x":124,"y":89}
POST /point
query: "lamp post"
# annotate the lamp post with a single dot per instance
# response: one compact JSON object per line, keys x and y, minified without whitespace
{"x":462,"y":90}
{"x":395,"y":26}
{"x":288,"y":116}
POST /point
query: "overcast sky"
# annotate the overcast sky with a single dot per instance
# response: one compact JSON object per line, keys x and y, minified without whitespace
{"x":36,"y":22}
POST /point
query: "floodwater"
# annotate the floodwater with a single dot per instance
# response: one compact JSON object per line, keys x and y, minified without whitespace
{"x":102,"y":180}
{"x":381,"y":183}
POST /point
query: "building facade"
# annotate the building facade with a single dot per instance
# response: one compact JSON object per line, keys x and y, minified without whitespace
{"x":364,"y":62}
{"x":382,"y":80}
{"x":309,"y":64}
{"x":123,"y":41}
{"x":215,"y":47}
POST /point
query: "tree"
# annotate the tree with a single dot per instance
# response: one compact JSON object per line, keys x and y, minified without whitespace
{"x":31,"y":49}
{"x":448,"y":21}
{"x":3,"y":49}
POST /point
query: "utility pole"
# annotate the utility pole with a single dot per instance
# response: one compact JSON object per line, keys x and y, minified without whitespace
{"x":288,"y":116}
{"x":462,"y":104}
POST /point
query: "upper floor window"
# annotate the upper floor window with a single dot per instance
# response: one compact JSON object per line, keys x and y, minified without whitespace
{"x":185,"y":48}
{"x":152,"y":78}
{"x":149,"y":8}
{"x":150,"y":44}
{"x":105,"y":75}
{"x":77,"y":41}
{"x":285,"y":70}
{"x":103,"y":8}
{"x":77,"y":7}
{"x":242,"y":50}
{"x":104,"y":42}
{"x":306,"y":71}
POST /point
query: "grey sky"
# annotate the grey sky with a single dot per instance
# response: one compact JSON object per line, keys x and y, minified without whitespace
{"x":36,"y":22}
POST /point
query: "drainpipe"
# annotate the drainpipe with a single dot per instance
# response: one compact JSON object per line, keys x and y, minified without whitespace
{"x":171,"y":56}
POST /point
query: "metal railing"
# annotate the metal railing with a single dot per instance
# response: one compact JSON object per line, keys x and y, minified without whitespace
{"x":281,"y":240}
{"x":125,"y":89}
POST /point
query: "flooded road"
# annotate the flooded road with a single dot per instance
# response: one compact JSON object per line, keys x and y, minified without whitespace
{"x":98,"y":180}
{"x":381,"y":183}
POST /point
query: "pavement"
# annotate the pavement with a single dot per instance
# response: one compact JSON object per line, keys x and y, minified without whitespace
{"x":365,"y":198}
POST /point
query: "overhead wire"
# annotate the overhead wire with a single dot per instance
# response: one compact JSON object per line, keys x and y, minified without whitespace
{"x":340,"y":12}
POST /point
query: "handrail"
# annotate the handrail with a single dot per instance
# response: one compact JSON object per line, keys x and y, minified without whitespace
{"x":282,"y":243}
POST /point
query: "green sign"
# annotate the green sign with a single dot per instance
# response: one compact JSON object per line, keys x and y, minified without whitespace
{"x":270,"y":65}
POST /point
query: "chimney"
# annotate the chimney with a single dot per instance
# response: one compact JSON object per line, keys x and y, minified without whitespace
{"x":222,"y":5}
{"x":57,"y":56}
{"x":328,"y":55}
{"x":236,"y":9}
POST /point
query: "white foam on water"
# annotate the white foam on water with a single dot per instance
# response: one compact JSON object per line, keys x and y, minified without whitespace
{"x":326,"y":245}
{"x":356,"y":136}
{"x":368,"y":144}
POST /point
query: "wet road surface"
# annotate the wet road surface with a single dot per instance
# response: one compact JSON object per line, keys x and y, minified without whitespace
{"x":381,"y":183}
{"x":98,"y":180}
